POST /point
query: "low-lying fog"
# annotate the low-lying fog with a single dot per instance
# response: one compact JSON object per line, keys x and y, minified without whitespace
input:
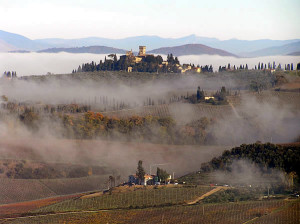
{"x":270,"y":120}
{"x":120,"y":156}
{"x":42,"y":63}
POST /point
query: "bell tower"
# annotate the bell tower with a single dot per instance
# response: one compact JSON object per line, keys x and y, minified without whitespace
{"x":142,"y":51}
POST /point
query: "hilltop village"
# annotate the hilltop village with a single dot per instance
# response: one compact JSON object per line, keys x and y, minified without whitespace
{"x":142,"y":62}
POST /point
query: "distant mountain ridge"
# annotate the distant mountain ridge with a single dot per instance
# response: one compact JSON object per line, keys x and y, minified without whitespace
{"x":152,"y":42}
{"x":247,"y":48}
{"x":188,"y":49}
{"x":234,"y":46}
{"x":295,"y":53}
{"x":191,"y":49}
{"x":19,"y":42}
{"x":91,"y":49}
{"x":286,"y":49}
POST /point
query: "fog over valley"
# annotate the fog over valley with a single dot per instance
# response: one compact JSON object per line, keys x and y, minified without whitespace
{"x":149,"y":112}
{"x":60,"y":63}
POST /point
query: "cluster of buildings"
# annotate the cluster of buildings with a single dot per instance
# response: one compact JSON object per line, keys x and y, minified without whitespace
{"x":135,"y":59}
{"x":148,"y":180}
{"x":188,"y":68}
{"x":142,"y":54}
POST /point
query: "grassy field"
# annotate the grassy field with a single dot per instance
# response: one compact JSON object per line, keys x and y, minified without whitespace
{"x":274,"y":212}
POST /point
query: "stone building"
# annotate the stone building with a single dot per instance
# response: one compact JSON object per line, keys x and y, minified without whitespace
{"x":142,"y":51}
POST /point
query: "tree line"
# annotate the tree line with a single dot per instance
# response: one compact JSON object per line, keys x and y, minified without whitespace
{"x":260,"y":66}
{"x":10,"y":74}
{"x":267,"y":156}
{"x":136,"y":128}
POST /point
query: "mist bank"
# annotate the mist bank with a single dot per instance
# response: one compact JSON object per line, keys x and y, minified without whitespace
{"x":120,"y":157}
{"x":268,"y":116}
{"x":41,"y":63}
{"x":257,"y":117}
{"x":256,"y":164}
{"x":132,"y":87}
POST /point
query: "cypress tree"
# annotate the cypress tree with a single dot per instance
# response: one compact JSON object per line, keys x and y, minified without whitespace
{"x":140,"y":171}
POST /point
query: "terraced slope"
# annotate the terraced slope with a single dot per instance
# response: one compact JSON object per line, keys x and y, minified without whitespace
{"x":19,"y":190}
{"x":134,"y":198}
{"x":273,"y":212}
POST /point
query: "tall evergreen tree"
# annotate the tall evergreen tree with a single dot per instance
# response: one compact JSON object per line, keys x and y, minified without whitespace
{"x":140,"y":171}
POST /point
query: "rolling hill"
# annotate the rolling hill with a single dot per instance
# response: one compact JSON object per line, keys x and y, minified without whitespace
{"x":248,"y":48}
{"x":19,"y":42}
{"x":191,"y":49}
{"x":91,"y":49}
{"x":279,"y":50}
{"x":4,"y":47}
{"x":295,"y":53}
{"x":153,"y":42}
{"x":242,"y":47}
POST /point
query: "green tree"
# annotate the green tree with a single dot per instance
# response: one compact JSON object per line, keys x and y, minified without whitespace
{"x":200,"y":94}
{"x":150,"y":59}
{"x":162,"y":175}
{"x":170,"y":58}
{"x":140,"y":171}
{"x":159,"y":59}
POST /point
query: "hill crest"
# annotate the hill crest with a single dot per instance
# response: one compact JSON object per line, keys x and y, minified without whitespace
{"x":90,"y":49}
{"x":191,"y":49}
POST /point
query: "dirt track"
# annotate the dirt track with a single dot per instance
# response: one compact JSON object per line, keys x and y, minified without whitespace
{"x":206,"y":195}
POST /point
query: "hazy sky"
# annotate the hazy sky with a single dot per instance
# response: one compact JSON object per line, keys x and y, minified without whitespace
{"x":242,"y":19}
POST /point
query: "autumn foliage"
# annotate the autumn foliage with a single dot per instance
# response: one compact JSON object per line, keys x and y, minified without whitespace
{"x":136,"y":128}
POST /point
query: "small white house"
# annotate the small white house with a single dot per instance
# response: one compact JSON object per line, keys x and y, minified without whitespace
{"x":209,"y":97}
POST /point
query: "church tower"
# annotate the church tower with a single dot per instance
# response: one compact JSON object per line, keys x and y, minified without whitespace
{"x":142,"y":51}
